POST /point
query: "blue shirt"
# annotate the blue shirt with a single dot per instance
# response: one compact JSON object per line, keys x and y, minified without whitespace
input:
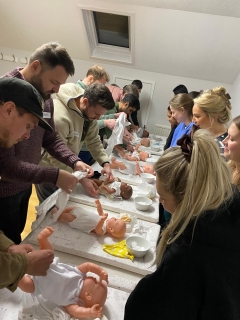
{"x":180,"y":131}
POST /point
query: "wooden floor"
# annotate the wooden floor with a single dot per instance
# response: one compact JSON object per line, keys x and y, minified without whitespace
{"x":33,"y":202}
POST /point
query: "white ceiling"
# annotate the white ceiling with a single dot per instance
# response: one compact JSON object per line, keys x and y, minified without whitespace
{"x":189,"y":38}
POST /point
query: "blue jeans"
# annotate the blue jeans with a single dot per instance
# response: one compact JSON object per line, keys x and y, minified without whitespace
{"x":86,"y":157}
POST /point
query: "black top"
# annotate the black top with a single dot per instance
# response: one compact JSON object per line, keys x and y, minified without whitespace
{"x":169,"y":138}
{"x":134,"y":118}
{"x":199,"y":278}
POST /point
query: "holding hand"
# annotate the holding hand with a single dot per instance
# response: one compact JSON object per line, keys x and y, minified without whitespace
{"x":81,"y":166}
{"x":110,"y":123}
{"x":90,"y":186}
{"x":108,"y":172}
{"x":20,"y":248}
{"x":66,"y":181}
{"x":39,"y":262}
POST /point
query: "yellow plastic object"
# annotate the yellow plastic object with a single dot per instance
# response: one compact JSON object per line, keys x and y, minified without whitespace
{"x":118,"y":250}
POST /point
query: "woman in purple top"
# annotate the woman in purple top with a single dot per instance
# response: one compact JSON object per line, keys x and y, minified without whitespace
{"x":181,"y":106}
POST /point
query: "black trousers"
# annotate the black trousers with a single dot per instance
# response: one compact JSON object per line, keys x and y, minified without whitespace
{"x":13,"y":214}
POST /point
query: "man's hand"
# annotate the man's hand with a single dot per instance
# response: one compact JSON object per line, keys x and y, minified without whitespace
{"x":39,"y":262}
{"x":81,"y":166}
{"x":116,"y":115}
{"x":90,"y":186}
{"x":108,"y":172}
{"x":20,"y":248}
{"x":110,"y":123}
{"x":66,"y":181}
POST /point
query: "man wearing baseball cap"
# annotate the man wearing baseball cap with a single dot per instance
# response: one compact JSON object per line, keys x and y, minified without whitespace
{"x":20,"y":111}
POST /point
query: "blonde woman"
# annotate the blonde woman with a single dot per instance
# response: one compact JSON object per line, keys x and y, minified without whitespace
{"x":181,"y":107}
{"x":212,"y":111}
{"x":232,"y":150}
{"x":198,"y":255}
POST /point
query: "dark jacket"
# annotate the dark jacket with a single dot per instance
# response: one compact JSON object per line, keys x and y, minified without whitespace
{"x":169,"y":138}
{"x":199,"y":277}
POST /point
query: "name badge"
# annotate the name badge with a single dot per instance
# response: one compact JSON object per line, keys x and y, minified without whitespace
{"x":47,"y":115}
{"x":76,"y":134}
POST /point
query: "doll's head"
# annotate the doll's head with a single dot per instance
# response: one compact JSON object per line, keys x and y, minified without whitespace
{"x":145,"y":142}
{"x":143,"y":155}
{"x":148,"y":168}
{"x":126,"y":191}
{"x":145,"y":134}
{"x":116,"y":227}
{"x":93,"y":292}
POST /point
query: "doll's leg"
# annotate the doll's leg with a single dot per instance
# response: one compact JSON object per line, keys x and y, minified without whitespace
{"x":98,"y":182}
{"x":26,"y":284}
{"x":65,"y":215}
{"x":42,"y":238}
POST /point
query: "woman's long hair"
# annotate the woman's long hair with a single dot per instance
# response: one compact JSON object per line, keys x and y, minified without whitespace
{"x":198,"y":178}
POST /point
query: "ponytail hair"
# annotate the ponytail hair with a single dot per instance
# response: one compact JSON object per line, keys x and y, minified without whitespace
{"x":198,"y":178}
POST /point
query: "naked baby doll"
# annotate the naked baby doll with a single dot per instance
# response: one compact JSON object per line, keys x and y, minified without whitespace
{"x":68,"y":286}
{"x":116,"y":188}
{"x":136,"y":155}
{"x":88,"y":221}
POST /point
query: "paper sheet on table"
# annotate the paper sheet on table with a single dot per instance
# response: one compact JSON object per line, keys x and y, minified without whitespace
{"x":117,"y":133}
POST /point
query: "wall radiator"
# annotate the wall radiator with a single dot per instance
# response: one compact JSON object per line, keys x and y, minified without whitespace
{"x":161,"y":130}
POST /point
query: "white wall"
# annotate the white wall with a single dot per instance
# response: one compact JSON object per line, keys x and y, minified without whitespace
{"x":163,"y":83}
{"x":235,"y":97}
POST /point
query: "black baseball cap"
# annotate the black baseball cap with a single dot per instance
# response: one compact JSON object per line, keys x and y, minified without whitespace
{"x":24,"y":95}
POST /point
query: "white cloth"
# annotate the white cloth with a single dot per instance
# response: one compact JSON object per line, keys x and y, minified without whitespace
{"x":117,"y":134}
{"x":62,"y":284}
{"x":136,"y":154}
{"x":116,"y":185}
{"x":85,"y":221}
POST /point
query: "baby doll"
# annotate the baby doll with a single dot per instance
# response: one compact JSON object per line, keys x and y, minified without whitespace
{"x":68,"y":286}
{"x":146,"y":168}
{"x":116,"y":188}
{"x":136,"y":155}
{"x":88,"y":221}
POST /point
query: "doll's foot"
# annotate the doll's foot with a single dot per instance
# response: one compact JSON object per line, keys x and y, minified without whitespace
{"x":45,"y":233}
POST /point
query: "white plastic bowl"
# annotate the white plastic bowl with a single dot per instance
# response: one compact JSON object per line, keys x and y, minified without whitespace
{"x":151,"y":160}
{"x":155,"y":147}
{"x":147,"y":177}
{"x":157,"y":138}
{"x":137,"y":246}
{"x":142,"y":203}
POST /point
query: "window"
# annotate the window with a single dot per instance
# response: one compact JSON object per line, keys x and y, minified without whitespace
{"x":112,"y":29}
{"x":110,"y":35}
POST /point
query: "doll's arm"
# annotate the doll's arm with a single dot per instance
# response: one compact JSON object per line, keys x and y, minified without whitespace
{"x":138,"y":170}
{"x":92,"y":267}
{"x":99,"y":227}
{"x":99,"y":207}
{"x":82,"y":312}
{"x":131,"y":158}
